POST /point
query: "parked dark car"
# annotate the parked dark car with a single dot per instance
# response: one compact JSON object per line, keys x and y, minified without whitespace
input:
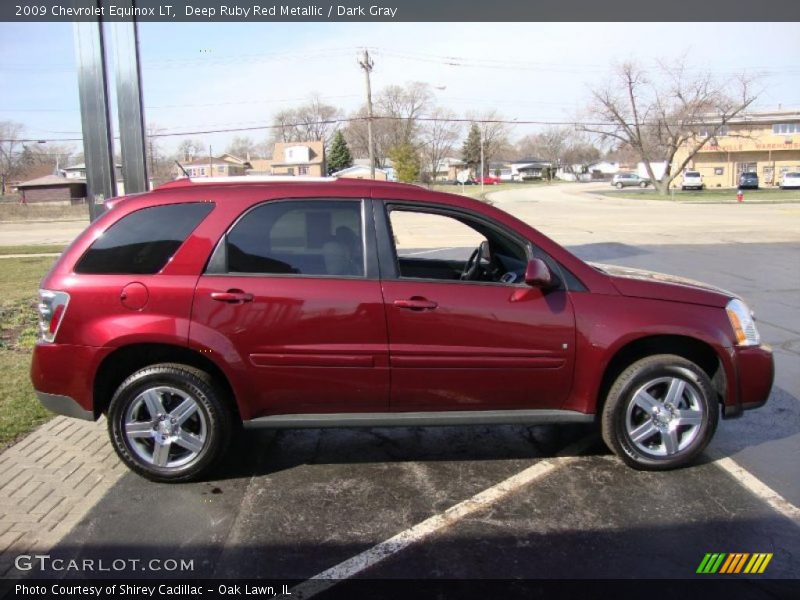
{"x":186,"y":311}
{"x":748,"y":181}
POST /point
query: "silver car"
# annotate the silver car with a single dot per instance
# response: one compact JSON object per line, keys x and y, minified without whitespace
{"x":621,"y":180}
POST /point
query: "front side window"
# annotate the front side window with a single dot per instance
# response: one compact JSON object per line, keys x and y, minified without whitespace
{"x":143,"y":241}
{"x":299,"y":237}
{"x":430,"y":245}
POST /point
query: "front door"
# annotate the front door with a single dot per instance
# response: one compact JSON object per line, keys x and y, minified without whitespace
{"x":465,"y":332}
{"x":290,"y":297}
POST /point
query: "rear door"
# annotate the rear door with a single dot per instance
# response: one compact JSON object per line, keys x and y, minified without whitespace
{"x":291,"y":296}
{"x":468,"y":345}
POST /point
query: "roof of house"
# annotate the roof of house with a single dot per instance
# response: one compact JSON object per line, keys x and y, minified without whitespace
{"x":204,"y":162}
{"x":50,"y":180}
{"x":81,"y":166}
{"x":34,"y":171}
{"x":355,"y":168}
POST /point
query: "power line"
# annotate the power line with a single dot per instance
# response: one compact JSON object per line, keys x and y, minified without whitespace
{"x":374,"y":118}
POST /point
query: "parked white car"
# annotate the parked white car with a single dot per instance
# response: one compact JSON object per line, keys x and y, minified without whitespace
{"x":692,"y":180}
{"x":790,"y":181}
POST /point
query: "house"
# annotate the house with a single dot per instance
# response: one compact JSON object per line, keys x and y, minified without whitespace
{"x":766,"y":143}
{"x":659,"y":167}
{"x":79,"y":171}
{"x":387,"y":166}
{"x":214,"y":167}
{"x":298,"y":158}
{"x":53,"y":188}
{"x":448,"y":169}
{"x":361,"y":172}
{"x":530,"y":168}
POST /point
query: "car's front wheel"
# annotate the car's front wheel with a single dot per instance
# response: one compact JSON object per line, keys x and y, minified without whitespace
{"x":168,"y":422}
{"x":660,"y":413}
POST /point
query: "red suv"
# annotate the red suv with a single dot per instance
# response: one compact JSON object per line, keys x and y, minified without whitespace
{"x":186,"y":311}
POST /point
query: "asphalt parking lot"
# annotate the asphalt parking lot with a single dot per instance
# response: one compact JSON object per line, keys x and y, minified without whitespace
{"x":294,"y":504}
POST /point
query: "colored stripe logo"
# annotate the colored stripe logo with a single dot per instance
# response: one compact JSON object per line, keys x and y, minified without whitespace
{"x":734,"y":563}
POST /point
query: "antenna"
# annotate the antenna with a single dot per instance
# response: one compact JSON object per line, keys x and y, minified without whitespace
{"x":180,"y":166}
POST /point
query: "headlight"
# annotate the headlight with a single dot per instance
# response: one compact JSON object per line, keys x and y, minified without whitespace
{"x":743,"y":323}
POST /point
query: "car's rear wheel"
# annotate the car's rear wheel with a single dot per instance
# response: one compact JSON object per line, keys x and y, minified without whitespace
{"x":168,"y":422}
{"x":619,"y":186}
{"x":660,"y":413}
{"x":643,"y":184}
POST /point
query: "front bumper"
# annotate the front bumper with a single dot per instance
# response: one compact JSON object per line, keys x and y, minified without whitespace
{"x":64,"y":405}
{"x":755,"y":373}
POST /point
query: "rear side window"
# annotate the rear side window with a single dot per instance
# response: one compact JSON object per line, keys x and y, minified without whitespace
{"x":300,"y":237}
{"x":143,"y":241}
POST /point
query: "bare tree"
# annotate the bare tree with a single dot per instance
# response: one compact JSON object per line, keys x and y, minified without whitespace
{"x":438,"y":138}
{"x":243,"y":147}
{"x":550,"y":145}
{"x":657,"y":118}
{"x":396,"y":123}
{"x":10,"y":146}
{"x":311,"y":121}
{"x":494,"y":135}
{"x":189,"y":149}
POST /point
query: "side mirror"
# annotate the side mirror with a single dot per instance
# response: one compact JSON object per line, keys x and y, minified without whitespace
{"x":538,"y":274}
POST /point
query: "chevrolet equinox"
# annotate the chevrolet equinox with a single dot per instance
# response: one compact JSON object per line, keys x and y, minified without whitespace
{"x":187,"y":311}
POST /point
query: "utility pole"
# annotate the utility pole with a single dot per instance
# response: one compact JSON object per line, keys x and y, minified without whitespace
{"x":210,"y":162}
{"x":482,"y":165}
{"x":366,"y":64}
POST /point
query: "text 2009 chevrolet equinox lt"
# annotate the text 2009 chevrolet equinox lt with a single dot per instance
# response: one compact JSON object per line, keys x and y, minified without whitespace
{"x":185,"y":311}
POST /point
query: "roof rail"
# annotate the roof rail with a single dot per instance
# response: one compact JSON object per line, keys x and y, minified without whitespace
{"x":188,"y":181}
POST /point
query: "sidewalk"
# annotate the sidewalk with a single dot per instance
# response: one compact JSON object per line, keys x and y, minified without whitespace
{"x":48,"y":482}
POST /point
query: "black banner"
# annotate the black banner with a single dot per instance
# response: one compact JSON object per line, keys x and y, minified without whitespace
{"x":400,"y":11}
{"x":406,"y":589}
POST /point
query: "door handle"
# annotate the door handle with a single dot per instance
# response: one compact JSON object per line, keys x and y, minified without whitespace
{"x":232,"y":297}
{"x":416,"y":303}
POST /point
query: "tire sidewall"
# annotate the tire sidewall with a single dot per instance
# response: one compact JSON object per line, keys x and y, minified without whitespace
{"x":684,"y":370}
{"x":184,"y":381}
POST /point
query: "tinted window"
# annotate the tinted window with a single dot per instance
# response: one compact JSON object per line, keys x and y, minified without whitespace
{"x":300,"y":237}
{"x":143,"y":241}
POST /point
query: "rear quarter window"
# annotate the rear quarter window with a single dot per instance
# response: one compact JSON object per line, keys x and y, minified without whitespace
{"x":143,"y":241}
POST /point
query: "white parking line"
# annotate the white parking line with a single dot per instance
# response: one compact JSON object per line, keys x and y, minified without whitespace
{"x":361,"y":562}
{"x":759,"y":488}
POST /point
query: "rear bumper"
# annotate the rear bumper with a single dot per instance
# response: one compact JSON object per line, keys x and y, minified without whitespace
{"x":755,"y":373}
{"x":63,"y":375}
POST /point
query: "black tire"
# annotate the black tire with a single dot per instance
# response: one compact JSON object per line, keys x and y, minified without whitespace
{"x":211,"y":416}
{"x":616,"y":414}
{"x":643,"y":184}
{"x":619,"y":186}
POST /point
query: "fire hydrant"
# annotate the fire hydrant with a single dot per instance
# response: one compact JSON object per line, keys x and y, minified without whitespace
{"x":740,"y":196}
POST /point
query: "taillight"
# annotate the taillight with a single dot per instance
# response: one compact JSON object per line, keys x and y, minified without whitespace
{"x":52,"y":306}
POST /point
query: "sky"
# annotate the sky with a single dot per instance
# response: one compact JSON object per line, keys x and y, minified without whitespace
{"x":199,"y":76}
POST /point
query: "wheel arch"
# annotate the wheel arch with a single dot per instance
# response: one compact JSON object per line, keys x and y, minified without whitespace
{"x":124,"y":361}
{"x":698,"y":351}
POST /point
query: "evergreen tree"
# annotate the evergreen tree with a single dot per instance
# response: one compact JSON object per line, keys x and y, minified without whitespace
{"x":406,"y":162}
{"x":471,"y":150}
{"x":339,"y":156}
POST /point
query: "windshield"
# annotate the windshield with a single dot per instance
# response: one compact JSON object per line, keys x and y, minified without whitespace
{"x":692,"y":174}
